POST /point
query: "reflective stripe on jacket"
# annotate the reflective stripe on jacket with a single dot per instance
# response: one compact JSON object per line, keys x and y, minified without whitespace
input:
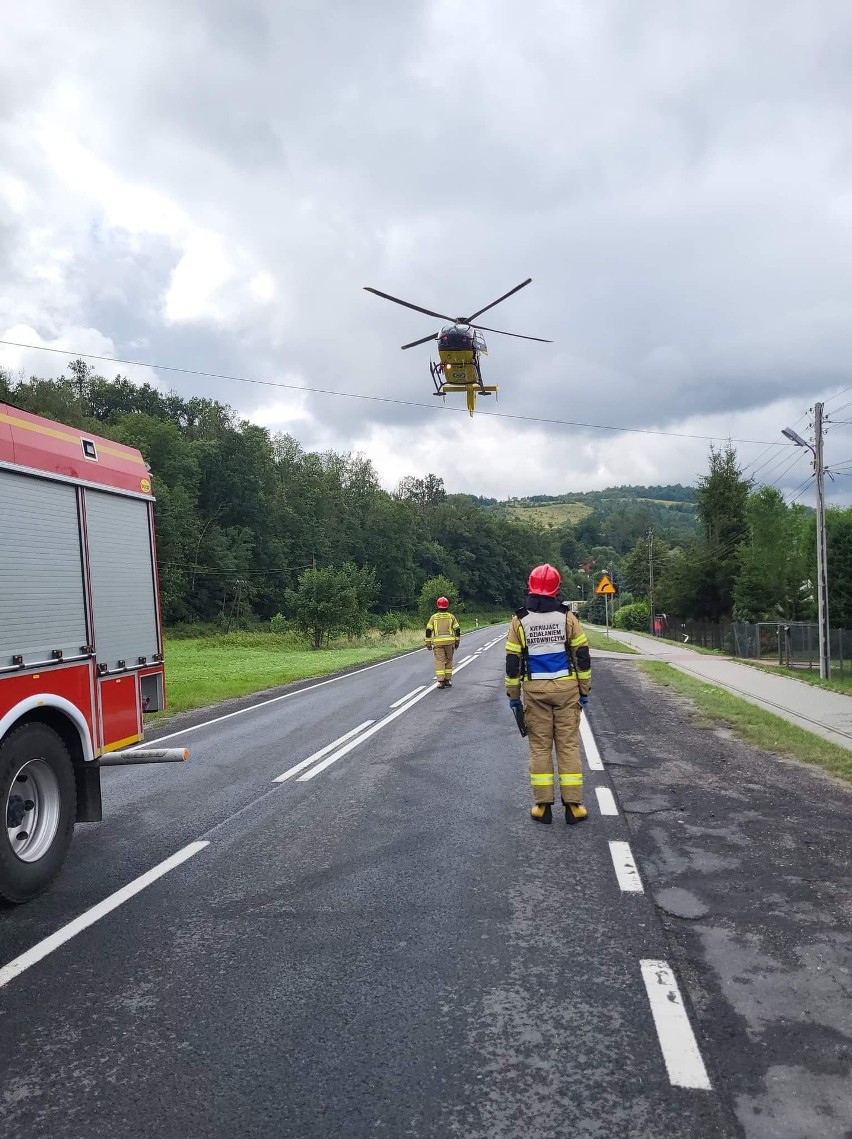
{"x":442,"y":628}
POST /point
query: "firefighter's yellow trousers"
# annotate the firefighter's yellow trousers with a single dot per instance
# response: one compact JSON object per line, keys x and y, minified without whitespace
{"x":443,"y":662}
{"x":552,"y":714}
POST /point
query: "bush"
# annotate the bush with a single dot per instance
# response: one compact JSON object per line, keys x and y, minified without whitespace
{"x":635,"y":617}
{"x":278,"y":624}
{"x":389,"y":623}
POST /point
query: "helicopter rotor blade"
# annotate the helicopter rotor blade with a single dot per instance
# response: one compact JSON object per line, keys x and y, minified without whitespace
{"x":407,"y":304}
{"x":423,"y":340}
{"x":516,"y":289}
{"x":519,"y":335}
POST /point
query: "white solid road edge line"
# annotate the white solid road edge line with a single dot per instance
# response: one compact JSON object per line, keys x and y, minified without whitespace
{"x":43,"y":948}
{"x":322,"y":751}
{"x":626,"y":870}
{"x":606,"y":801}
{"x":408,"y":696}
{"x":593,"y":756}
{"x":677,"y":1040}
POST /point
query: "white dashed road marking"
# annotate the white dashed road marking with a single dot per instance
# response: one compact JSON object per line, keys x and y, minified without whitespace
{"x":625,"y":868}
{"x":677,"y":1040}
{"x":606,"y":801}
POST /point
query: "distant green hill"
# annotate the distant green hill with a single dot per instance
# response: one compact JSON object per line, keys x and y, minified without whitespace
{"x":547,"y":514}
{"x":616,"y":516}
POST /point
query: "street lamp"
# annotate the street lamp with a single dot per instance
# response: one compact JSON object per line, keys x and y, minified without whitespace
{"x":822,"y":559}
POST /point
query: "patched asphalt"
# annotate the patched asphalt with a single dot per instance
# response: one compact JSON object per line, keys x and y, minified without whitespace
{"x":748,"y":857}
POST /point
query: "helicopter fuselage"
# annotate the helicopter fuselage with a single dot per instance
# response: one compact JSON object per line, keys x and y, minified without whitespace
{"x":459,"y":347}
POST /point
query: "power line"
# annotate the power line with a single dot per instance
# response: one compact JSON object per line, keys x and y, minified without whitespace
{"x":801,"y":489}
{"x":787,"y":469}
{"x":775,"y":464}
{"x":837,"y":395}
{"x":766,"y":462}
{"x":768,"y":448}
{"x":385,"y":399}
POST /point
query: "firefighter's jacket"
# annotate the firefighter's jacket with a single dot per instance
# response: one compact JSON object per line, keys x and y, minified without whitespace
{"x":546,"y":642}
{"x":442,"y":629}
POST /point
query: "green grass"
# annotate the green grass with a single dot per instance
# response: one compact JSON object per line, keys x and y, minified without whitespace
{"x":601,"y":641}
{"x":840,"y":682}
{"x":752,"y":724}
{"x":201,"y":671}
{"x":549,"y":514}
{"x":205,"y":670}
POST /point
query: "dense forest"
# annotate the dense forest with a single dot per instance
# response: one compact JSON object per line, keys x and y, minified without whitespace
{"x":245,"y":517}
{"x":243,"y":513}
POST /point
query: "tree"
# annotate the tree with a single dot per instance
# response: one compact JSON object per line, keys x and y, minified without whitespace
{"x":838,"y":540}
{"x":331,"y":601}
{"x":721,"y":496}
{"x":760,"y":589}
{"x":431,"y":590}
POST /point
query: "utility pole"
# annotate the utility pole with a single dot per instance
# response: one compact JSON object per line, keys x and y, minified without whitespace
{"x":651,"y":578}
{"x":822,"y":552}
{"x":822,"y":559}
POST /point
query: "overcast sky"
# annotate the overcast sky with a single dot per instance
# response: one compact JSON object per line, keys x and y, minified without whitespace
{"x":210,"y":184}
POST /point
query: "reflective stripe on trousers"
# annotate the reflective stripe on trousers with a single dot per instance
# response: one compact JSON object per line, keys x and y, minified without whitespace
{"x":552,"y":714}
{"x":443,"y":661}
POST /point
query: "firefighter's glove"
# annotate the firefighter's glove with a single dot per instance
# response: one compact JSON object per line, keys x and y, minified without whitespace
{"x":515,"y":704}
{"x":584,"y":701}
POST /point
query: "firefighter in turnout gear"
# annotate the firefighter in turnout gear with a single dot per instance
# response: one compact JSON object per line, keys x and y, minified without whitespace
{"x":442,"y":637}
{"x":548,"y":663}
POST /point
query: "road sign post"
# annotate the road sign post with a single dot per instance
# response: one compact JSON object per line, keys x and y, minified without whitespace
{"x":606,"y":589}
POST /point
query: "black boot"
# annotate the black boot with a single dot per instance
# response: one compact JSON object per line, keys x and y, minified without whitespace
{"x":541,"y":813}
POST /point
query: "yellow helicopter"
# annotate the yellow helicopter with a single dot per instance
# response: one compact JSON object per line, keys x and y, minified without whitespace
{"x":460,"y":345}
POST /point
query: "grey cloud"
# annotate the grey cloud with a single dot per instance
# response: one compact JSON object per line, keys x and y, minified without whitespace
{"x":676,"y":180}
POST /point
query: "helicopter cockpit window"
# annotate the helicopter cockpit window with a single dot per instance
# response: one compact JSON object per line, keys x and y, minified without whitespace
{"x":454,"y":337}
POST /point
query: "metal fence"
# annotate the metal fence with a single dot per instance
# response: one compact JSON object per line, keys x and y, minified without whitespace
{"x":794,"y":644}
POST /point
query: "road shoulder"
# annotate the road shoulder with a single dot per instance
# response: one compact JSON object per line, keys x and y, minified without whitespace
{"x":749,"y":861}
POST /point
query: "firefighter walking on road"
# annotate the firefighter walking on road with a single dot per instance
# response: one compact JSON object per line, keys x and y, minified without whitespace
{"x":442,"y":637}
{"x":548,"y":663}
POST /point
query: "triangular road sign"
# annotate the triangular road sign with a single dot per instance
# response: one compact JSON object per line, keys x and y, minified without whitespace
{"x":605,"y":586}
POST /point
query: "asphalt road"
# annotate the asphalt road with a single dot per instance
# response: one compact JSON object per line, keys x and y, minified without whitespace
{"x":385,"y":944}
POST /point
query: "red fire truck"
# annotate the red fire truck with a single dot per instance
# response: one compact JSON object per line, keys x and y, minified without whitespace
{"x":81,"y":644}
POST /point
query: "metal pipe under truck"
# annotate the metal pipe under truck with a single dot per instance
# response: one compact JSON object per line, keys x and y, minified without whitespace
{"x":81,"y":640}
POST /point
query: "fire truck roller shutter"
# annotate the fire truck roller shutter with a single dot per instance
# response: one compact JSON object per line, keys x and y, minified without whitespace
{"x":120,"y":554}
{"x":41,"y":573}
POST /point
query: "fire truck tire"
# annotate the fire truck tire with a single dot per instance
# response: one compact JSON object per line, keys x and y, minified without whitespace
{"x":38,"y":800}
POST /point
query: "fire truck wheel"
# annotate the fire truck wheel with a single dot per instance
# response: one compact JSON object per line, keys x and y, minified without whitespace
{"x":38,"y":798}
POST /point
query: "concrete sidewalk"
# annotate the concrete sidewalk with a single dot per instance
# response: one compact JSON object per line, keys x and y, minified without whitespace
{"x":827,"y":714}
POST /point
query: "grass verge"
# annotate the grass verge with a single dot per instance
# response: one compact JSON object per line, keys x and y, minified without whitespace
{"x":752,"y":724}
{"x":609,"y":643}
{"x":205,"y":670}
{"x":840,"y":682}
{"x":201,"y":671}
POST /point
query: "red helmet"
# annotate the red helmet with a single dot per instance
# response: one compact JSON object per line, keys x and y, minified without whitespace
{"x":442,"y":603}
{"x":545,"y":580}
